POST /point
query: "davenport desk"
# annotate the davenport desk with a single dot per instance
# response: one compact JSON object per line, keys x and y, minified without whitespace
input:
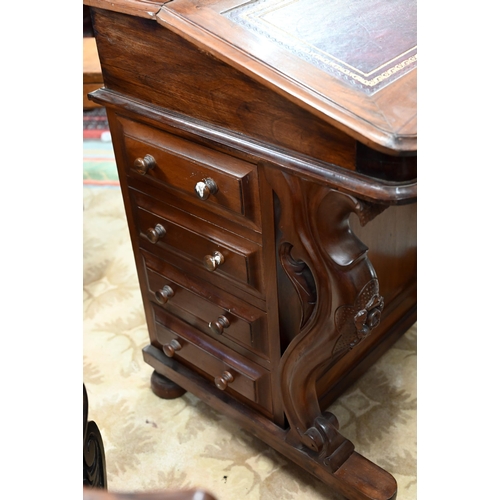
{"x":267,"y":157}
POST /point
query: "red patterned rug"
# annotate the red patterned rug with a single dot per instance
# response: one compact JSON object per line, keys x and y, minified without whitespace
{"x":95,"y":124}
{"x":99,"y":166}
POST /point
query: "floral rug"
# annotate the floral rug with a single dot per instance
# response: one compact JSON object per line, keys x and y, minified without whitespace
{"x":153,"y":444}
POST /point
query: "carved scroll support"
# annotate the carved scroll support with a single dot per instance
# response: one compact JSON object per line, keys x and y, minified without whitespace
{"x":338,"y":290}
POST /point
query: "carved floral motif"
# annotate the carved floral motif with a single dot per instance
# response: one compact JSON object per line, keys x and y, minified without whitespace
{"x":355,"y":322}
{"x":369,"y":317}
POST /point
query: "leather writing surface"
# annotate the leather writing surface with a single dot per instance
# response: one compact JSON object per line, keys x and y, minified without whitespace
{"x":365,"y":43}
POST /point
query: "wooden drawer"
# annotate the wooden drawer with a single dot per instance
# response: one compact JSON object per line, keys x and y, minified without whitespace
{"x":230,"y":185}
{"x":193,"y":348}
{"x":215,"y":312}
{"x":212,"y":249}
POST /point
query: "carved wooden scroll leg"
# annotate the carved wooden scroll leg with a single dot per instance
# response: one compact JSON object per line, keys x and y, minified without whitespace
{"x":340,"y":301}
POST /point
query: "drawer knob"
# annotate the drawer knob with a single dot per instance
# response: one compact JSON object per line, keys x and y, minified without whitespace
{"x":212,"y":262}
{"x":222,"y":381}
{"x":154,"y":234}
{"x":219,"y":325}
{"x":164,"y":294}
{"x":171,"y":348}
{"x":205,"y":188}
{"x":142,"y":165}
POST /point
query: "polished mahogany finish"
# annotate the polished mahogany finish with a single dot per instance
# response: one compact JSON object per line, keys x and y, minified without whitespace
{"x":267,"y":158}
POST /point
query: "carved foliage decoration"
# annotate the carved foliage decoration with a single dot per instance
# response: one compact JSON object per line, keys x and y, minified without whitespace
{"x":356,"y":321}
{"x":339,"y":296}
{"x":301,"y":278}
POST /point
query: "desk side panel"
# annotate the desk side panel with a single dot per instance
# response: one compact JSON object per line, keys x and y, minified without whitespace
{"x":391,"y":239}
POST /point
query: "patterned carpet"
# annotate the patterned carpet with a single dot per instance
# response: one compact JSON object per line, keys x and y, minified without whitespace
{"x":153,"y":444}
{"x":95,"y":124}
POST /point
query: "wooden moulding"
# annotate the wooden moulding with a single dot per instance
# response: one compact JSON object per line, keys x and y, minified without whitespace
{"x":140,"y":8}
{"x":359,"y":185}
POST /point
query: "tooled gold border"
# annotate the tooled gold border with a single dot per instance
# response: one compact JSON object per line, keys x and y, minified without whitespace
{"x":324,"y":57}
{"x":379,"y":78}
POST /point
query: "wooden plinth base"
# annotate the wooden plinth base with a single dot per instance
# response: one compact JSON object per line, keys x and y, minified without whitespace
{"x":356,"y":479}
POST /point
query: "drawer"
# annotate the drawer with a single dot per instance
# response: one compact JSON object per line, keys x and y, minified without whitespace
{"x":228,"y":371}
{"x":163,"y":228}
{"x":209,"y":309}
{"x":209,"y":178}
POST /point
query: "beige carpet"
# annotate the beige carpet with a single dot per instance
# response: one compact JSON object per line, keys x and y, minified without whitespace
{"x":152,"y":444}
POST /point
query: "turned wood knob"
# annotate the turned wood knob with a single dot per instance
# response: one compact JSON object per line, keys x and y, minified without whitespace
{"x":143,"y":165}
{"x":222,"y":381}
{"x":164,"y":294}
{"x":219,"y":325}
{"x":171,"y":348}
{"x":205,"y":188}
{"x":212,"y":262}
{"x":154,"y":234}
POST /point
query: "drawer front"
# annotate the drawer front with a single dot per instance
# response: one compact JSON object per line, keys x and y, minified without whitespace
{"x":208,"y":309}
{"x":209,"y":178}
{"x":215,"y":251}
{"x":227,"y":370}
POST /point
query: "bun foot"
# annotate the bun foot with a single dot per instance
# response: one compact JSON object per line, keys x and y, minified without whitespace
{"x":164,"y":388}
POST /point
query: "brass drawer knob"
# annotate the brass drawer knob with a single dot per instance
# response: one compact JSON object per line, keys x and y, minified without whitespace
{"x":212,"y":262}
{"x":222,"y":381}
{"x":164,"y":294}
{"x":219,"y":325}
{"x":205,"y":188}
{"x":171,"y":348}
{"x":154,"y":234}
{"x":143,"y":165}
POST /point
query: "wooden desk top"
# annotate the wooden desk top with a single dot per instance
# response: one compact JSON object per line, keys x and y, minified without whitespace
{"x":351,"y":63}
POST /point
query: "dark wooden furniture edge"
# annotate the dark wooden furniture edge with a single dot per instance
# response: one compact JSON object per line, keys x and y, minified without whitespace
{"x":357,"y":478}
{"x":359,"y":185}
{"x":141,"y":8}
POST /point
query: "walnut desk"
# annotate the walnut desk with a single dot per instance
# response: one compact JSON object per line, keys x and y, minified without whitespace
{"x":267,"y":157}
